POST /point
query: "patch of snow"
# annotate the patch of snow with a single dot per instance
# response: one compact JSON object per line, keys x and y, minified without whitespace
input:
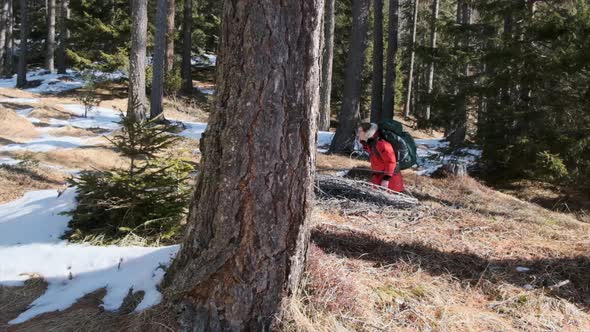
{"x":20,"y":100}
{"x":9,"y":161}
{"x":50,"y":82}
{"x":35,"y":218}
{"x":99,"y":117}
{"x":522,"y":269}
{"x":204,"y":60}
{"x":30,"y":230}
{"x":47,"y":143}
{"x":73,"y":271}
{"x":325,"y":138}
{"x":193,"y":130}
{"x":206,"y":91}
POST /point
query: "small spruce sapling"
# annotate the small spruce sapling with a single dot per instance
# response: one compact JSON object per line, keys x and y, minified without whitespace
{"x":87,"y":97}
{"x":148,"y":198}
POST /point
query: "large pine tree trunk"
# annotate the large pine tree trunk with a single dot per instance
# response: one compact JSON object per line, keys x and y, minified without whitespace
{"x":187,"y":30}
{"x":391,"y":67}
{"x":8,"y":68}
{"x":246,"y":241}
{"x":349,"y":114}
{"x":21,"y":78}
{"x":3,"y":28}
{"x":433,"y":37}
{"x":410,"y":82}
{"x":64,"y":15}
{"x":327,"y":63}
{"x":50,"y":42}
{"x":136,"y":106}
{"x":377,"y":89}
{"x":158,"y":64}
{"x":170,"y":35}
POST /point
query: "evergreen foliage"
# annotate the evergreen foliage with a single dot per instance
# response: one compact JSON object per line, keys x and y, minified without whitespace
{"x":148,"y":198}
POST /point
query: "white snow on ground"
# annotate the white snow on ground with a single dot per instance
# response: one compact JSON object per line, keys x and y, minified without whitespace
{"x":50,"y":82}
{"x":206,"y":91}
{"x":98,"y":117}
{"x":20,"y":100}
{"x":30,"y":228}
{"x":193,"y":130}
{"x":47,"y":143}
{"x":204,"y":60}
{"x":9,"y":161}
{"x":432,"y":155}
{"x":35,"y":218}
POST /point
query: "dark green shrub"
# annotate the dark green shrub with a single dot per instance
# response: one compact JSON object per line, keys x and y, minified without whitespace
{"x":148,"y":198}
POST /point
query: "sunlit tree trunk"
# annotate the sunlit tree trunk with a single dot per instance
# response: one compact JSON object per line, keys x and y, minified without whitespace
{"x":170,"y":35}
{"x":327,"y":63}
{"x":158,"y":64}
{"x":64,"y":34}
{"x":3,"y":27}
{"x":136,"y":107}
{"x":391,"y":66}
{"x":349,"y":114}
{"x":50,"y":42}
{"x":21,"y":79}
{"x":247,"y":233}
{"x":433,"y":37}
{"x":377,"y":89}
{"x":187,"y":30}
{"x":412,"y":60}
{"x":8,"y":68}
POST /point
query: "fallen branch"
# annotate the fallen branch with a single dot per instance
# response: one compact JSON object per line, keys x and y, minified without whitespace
{"x":334,"y":187}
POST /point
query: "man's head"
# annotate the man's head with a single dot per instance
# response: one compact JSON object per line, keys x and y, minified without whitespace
{"x":366,"y":131}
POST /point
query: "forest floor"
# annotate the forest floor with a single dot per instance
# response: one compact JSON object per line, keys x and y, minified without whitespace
{"x":470,"y":258}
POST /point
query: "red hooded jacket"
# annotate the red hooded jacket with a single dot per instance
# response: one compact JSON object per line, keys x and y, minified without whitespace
{"x":383,"y":160}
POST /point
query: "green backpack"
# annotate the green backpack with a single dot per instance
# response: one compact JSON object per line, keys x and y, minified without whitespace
{"x":403,"y":143}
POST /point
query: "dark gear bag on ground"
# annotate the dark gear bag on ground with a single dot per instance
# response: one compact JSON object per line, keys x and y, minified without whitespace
{"x":403,"y":143}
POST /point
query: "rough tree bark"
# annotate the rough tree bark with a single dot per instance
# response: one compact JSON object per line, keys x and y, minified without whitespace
{"x":433,"y":37}
{"x":327,"y":63}
{"x":377,"y":88}
{"x":158,"y":64}
{"x":170,"y":35}
{"x":246,"y":241}
{"x":3,"y":27}
{"x":136,"y":106}
{"x":187,"y":30}
{"x":50,"y":42}
{"x":21,"y":78}
{"x":8,"y":68}
{"x":349,"y":114}
{"x":64,"y":34}
{"x":412,"y":60}
{"x":391,"y":66}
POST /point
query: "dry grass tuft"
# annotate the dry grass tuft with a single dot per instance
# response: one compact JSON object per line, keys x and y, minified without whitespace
{"x":16,"y":180}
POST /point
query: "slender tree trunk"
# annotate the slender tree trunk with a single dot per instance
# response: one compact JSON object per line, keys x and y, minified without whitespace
{"x":64,"y":15}
{"x":157,"y":92}
{"x":391,"y":67}
{"x":3,"y":27}
{"x":460,"y":129}
{"x":412,"y":60}
{"x":433,"y":37}
{"x":377,"y":89}
{"x":246,"y":242}
{"x":349,"y":115}
{"x":50,"y":43}
{"x":8,"y":68}
{"x":21,"y":79}
{"x":327,"y":62}
{"x":136,"y":107}
{"x":187,"y":30}
{"x":170,"y":35}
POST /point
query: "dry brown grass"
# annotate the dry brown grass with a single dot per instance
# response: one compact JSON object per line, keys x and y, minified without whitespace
{"x":14,"y":128}
{"x":16,"y":180}
{"x":455,"y":270}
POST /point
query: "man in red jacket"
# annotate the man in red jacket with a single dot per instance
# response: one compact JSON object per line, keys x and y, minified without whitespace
{"x":382,"y":157}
